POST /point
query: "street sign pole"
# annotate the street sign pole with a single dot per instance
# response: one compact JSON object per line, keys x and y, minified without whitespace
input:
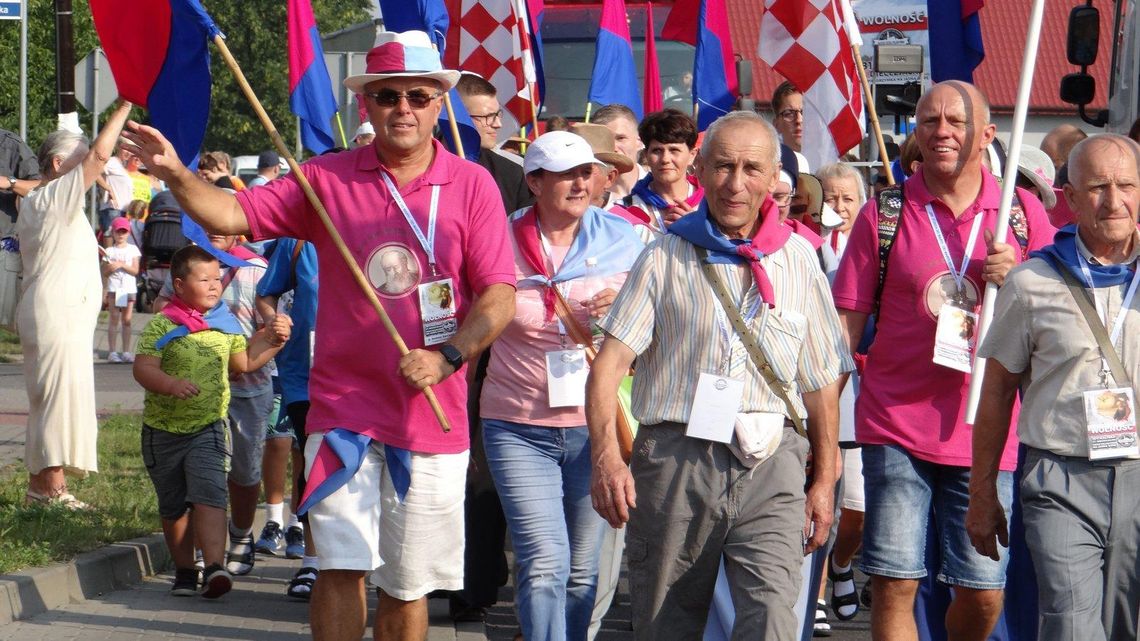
{"x":24,"y":70}
{"x":93,"y":213}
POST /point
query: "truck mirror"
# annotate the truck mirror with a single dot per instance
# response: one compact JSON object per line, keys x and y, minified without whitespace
{"x":1078,"y":88}
{"x":1083,"y":36}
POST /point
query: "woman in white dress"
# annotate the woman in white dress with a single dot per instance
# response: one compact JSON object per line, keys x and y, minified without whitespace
{"x":56,"y":316}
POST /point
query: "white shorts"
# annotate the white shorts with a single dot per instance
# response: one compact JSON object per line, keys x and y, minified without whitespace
{"x":853,"y":480}
{"x":412,"y":548}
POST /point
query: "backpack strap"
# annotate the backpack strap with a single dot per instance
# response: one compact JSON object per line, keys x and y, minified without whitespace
{"x":890,"y":202}
{"x":1019,"y":225}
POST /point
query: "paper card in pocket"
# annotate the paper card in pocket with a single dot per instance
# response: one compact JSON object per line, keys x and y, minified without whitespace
{"x":715,"y":404}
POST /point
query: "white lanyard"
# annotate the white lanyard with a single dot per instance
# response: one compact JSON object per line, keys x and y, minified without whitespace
{"x":726,"y":332}
{"x":428,"y":242}
{"x":958,"y":275}
{"x":1118,"y":322}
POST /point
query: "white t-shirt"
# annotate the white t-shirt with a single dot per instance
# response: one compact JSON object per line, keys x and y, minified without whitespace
{"x":120,"y":282}
{"x":120,"y":182}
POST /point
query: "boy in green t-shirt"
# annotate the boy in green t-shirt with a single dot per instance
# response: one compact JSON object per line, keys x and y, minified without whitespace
{"x":184,"y":359}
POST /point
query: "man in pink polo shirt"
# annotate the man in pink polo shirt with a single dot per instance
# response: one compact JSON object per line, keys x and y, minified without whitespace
{"x":429,"y":232}
{"x":910,"y":414}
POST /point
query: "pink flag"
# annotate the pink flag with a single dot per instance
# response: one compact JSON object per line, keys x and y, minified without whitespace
{"x":652,"y":93}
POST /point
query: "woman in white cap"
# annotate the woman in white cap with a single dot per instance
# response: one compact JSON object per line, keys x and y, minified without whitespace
{"x":532,"y":406}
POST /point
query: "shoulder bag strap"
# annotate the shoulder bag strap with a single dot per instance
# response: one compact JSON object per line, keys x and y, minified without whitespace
{"x":755,"y":351}
{"x":1085,"y":304}
{"x":581,"y":336}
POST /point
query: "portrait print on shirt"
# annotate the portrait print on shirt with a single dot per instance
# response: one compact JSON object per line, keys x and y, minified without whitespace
{"x":393,"y":270}
{"x":941,"y":289}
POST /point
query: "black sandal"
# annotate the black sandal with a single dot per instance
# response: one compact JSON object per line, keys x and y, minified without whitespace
{"x":846,"y":600}
{"x":301,"y":587}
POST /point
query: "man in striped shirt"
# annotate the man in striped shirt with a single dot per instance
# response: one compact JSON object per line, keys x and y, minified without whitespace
{"x":690,"y":500}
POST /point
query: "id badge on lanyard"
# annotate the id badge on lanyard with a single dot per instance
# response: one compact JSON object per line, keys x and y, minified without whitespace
{"x":439,"y":319}
{"x":1110,"y":412}
{"x":955,"y":338}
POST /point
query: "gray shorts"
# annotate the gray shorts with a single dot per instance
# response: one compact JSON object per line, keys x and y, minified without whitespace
{"x":247,"y":426}
{"x":187,"y":469}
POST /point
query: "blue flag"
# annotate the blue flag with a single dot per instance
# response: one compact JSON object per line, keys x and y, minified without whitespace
{"x":614,"y":79}
{"x":955,"y":39}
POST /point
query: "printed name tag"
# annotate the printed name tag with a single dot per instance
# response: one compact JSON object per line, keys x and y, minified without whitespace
{"x":566,"y":372}
{"x":715,"y":405}
{"x":955,"y":338}
{"x":1110,"y":415}
{"x":437,"y":311}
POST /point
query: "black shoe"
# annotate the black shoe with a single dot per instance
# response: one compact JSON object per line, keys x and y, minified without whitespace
{"x":301,"y":587}
{"x":217,"y":582}
{"x":185,"y":582}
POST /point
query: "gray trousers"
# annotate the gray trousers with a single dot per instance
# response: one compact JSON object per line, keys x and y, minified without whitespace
{"x":697,"y":503}
{"x":1082,"y":526}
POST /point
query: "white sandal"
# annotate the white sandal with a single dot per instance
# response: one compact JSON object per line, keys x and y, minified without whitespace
{"x":65,"y":499}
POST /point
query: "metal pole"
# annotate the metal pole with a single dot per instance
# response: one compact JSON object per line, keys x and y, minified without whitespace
{"x":24,"y":70}
{"x":94,"y":84}
{"x":64,"y":58}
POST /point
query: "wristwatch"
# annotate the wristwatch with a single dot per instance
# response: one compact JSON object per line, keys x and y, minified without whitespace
{"x":452,"y":355}
{"x":11,"y":183}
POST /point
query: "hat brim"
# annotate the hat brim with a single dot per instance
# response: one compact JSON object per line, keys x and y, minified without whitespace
{"x":447,"y":78}
{"x":619,"y":161}
{"x":1048,"y":198}
{"x":808,"y":184}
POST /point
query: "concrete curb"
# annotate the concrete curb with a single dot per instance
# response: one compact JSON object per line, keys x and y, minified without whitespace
{"x":28,"y":593}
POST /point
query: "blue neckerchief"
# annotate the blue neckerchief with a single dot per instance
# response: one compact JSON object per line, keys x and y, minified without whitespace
{"x":1064,"y":252}
{"x":349,"y":449}
{"x":219,"y":318}
{"x":642,"y":190}
{"x":606,"y":237}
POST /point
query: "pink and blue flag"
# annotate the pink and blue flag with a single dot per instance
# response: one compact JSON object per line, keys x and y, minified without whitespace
{"x":168,"y":72}
{"x":534,"y":9}
{"x":654,"y":100}
{"x":310,"y":89}
{"x":430,"y":16}
{"x":615,"y":75}
{"x":956,"y":47}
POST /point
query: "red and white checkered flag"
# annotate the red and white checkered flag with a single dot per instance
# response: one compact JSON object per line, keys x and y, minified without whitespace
{"x":489,"y":38}
{"x":805,"y":41}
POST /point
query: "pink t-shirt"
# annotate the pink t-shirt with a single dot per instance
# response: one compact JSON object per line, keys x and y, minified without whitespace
{"x":905,"y":399}
{"x":515,"y":387}
{"x":355,"y":383}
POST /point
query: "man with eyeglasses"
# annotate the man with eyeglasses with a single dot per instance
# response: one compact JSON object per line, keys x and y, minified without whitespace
{"x":398,"y":511}
{"x":788,"y":106}
{"x":481,"y":100}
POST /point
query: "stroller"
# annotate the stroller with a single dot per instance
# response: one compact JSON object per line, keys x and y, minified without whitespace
{"x":162,"y":236}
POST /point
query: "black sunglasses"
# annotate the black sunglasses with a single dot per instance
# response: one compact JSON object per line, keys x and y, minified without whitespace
{"x":417,"y":99}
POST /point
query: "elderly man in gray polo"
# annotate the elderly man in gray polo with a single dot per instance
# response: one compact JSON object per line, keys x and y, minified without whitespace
{"x":1067,"y":332}
{"x":717,"y":468}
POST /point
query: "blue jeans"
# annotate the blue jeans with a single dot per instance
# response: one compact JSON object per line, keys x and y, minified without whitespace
{"x":904,"y":497}
{"x":543,"y":478}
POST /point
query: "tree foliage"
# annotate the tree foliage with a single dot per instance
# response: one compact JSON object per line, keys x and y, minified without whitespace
{"x":255,"y":33}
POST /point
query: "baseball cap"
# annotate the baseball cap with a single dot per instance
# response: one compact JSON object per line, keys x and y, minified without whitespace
{"x":268,"y":159}
{"x":365,"y":128}
{"x":120,"y":223}
{"x":558,"y":151}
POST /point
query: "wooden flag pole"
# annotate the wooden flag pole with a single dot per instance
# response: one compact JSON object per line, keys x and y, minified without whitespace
{"x":870,"y":102}
{"x":357,"y":274}
{"x":454,"y":125}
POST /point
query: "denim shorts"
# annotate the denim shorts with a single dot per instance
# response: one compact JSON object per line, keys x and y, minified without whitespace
{"x":905,"y":496}
{"x":187,"y":469}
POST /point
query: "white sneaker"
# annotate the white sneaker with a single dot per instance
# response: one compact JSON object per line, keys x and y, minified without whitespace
{"x":128,"y":357}
{"x":114,"y":357}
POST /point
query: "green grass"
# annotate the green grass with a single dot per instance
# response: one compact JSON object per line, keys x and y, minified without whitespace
{"x":124,"y":500}
{"x":9,"y":346}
